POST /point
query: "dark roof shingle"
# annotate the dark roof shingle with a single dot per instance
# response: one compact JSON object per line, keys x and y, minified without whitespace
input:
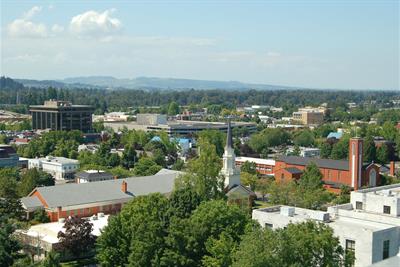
{"x":322,"y":163}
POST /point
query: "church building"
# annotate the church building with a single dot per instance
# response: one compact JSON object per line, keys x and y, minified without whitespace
{"x":235,"y":191}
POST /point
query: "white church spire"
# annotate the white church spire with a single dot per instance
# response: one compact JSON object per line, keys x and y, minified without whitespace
{"x":229,"y":169}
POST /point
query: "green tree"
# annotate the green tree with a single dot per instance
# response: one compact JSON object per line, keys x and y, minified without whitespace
{"x":41,"y":216}
{"x":33,"y":178}
{"x":369,"y":149}
{"x":129,"y":157}
{"x":214,"y":137}
{"x":326,"y":150}
{"x":304,"y":244}
{"x":249,"y":167}
{"x":311,"y":178}
{"x":173,"y":109}
{"x":209,"y":236}
{"x":8,"y":183}
{"x":203,"y":173}
{"x":52,"y":260}
{"x":304,"y":138}
{"x":382,"y":154}
{"x":3,"y":139}
{"x":389,"y":131}
{"x":145,"y":167}
{"x":249,"y":179}
{"x":9,"y":246}
{"x":127,"y":240}
{"x":340,"y":149}
{"x":183,"y":202}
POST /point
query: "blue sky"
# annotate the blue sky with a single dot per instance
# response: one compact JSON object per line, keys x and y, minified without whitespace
{"x":319,"y":44}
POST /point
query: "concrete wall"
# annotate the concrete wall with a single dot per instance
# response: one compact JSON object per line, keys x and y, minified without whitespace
{"x":375,"y":202}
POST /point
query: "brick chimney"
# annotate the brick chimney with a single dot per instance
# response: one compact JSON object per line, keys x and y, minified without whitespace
{"x":392,"y":168}
{"x":124,"y":186}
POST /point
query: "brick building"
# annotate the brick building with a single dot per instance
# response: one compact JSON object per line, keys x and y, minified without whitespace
{"x":87,"y":199}
{"x":353,"y":172}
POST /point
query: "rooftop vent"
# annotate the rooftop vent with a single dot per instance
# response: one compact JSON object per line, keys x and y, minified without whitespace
{"x":287,"y":211}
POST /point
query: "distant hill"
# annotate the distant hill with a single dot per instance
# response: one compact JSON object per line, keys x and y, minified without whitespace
{"x":9,"y":83}
{"x":52,"y":83}
{"x":168,"y":83}
{"x":147,"y":83}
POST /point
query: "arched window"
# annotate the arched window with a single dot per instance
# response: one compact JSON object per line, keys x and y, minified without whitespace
{"x":372,"y":178}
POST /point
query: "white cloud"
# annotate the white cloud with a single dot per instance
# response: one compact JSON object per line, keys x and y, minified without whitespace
{"x":95,"y":24}
{"x":57,"y":28}
{"x":24,"y":27}
{"x":32,"y":12}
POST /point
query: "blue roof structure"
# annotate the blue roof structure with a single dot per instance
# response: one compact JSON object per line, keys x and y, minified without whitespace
{"x":336,"y":135}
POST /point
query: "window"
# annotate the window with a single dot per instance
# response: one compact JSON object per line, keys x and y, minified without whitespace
{"x":386,"y":209}
{"x":351,"y":250}
{"x":269,"y":225}
{"x":359,"y":205}
{"x":386,"y":247}
{"x":350,"y":245}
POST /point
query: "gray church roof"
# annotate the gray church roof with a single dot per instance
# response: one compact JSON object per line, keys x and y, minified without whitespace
{"x":31,"y":203}
{"x":322,"y":163}
{"x":86,"y":193}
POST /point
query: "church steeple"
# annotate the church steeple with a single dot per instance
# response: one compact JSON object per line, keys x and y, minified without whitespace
{"x":229,"y":169}
{"x":229,"y":135}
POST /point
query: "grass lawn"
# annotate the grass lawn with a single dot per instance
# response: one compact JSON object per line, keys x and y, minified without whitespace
{"x":79,"y":263}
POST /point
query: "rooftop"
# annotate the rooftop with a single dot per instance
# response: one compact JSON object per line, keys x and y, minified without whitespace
{"x":256,"y":160}
{"x":48,"y":231}
{"x":60,"y":160}
{"x":86,"y":193}
{"x":322,"y":163}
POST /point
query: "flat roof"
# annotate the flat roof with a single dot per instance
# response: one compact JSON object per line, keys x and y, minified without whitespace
{"x":340,"y":221}
{"x":256,"y":160}
{"x":48,"y":231}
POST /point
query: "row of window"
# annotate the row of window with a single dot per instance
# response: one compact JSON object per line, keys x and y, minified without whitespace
{"x":351,"y":247}
{"x":359,"y":206}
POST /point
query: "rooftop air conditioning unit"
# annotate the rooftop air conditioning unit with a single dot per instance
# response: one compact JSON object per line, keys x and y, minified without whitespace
{"x":61,"y":220}
{"x":287,"y":211}
{"x":100,"y":214}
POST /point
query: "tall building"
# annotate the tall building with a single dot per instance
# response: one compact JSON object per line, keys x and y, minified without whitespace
{"x":61,"y":115}
{"x":309,"y":116}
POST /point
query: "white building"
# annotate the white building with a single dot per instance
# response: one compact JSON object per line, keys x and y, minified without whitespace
{"x":59,"y":167}
{"x":310,"y":152}
{"x":42,"y":238}
{"x":369,"y":225}
{"x":92,"y":176}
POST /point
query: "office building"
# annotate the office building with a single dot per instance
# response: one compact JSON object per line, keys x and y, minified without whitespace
{"x":61,"y":115}
{"x":369,"y":225}
{"x":59,"y":167}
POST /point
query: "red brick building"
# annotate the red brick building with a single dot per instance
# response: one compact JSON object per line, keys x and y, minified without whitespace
{"x":87,"y":199}
{"x":353,"y":172}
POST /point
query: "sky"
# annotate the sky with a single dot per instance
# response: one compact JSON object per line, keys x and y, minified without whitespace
{"x":315,"y":44}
